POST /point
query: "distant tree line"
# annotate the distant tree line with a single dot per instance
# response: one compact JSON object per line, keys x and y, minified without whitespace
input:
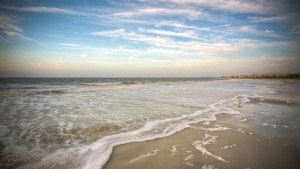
{"x":266,"y":76}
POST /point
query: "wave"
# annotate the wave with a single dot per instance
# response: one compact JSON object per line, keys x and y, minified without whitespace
{"x":31,"y":92}
{"x":129,"y":82}
{"x":101,"y":84}
{"x":97,"y":87}
{"x":32,"y":86}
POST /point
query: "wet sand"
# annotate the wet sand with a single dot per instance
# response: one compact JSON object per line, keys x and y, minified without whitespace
{"x":264,"y":135}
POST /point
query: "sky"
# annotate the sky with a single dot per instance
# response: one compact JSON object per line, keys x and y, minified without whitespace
{"x":148,"y":38}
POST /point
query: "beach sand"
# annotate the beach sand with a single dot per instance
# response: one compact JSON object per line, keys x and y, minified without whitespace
{"x":264,"y":135}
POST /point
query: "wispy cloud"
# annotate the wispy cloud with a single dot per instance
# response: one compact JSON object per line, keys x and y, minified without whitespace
{"x":16,"y":34}
{"x":111,"y":33}
{"x":183,"y":34}
{"x":10,"y":28}
{"x":2,"y":39}
{"x":174,"y":23}
{"x":268,"y":19}
{"x":254,"y":44}
{"x":253,"y":30}
{"x":169,"y":46}
{"x":158,"y":11}
{"x":158,"y":41}
{"x":160,"y":23}
{"x":190,"y":31}
{"x":42,"y":9}
{"x":295,"y":30}
{"x":250,"y":65}
{"x":7,"y":23}
{"x":238,"y":6}
{"x":70,"y":45}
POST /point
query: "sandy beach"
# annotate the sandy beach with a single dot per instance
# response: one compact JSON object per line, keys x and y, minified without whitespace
{"x":196,"y":123}
{"x":264,"y":135}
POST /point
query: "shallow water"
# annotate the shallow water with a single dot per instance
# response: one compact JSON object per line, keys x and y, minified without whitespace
{"x":75,"y":123}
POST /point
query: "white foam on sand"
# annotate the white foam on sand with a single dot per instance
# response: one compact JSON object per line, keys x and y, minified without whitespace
{"x":174,"y":150}
{"x":151,"y":153}
{"x":206,"y":122}
{"x":188,"y":160}
{"x":200,"y":145}
{"x":231,"y":146}
{"x":269,"y":124}
{"x":188,"y":157}
{"x":208,"y":167}
{"x":240,"y":130}
{"x":211,"y":129}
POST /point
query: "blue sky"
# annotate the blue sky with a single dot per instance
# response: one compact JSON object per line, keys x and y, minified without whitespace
{"x":157,"y":38}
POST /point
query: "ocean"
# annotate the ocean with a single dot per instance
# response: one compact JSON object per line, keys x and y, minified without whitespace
{"x":89,"y":122}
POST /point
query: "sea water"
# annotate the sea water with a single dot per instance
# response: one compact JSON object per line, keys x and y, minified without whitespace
{"x":76,"y":122}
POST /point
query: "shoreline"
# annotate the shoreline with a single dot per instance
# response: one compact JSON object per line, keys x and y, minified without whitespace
{"x":231,"y":141}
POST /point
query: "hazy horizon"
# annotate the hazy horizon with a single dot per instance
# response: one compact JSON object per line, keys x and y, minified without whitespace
{"x":148,"y":39}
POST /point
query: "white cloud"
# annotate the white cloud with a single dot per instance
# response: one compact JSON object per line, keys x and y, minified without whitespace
{"x":175,"y":24}
{"x":250,"y":43}
{"x":10,"y":29}
{"x":211,"y":33}
{"x":184,"y":34}
{"x":181,"y":25}
{"x":239,"y":6}
{"x":268,"y":19}
{"x":48,"y":10}
{"x":2,"y":39}
{"x":7,"y":23}
{"x":21,"y":36}
{"x":213,"y":48}
{"x":121,"y":33}
{"x":261,"y":64}
{"x":166,"y":11}
{"x":110,"y":33}
{"x":70,"y":45}
{"x":170,"y":23}
{"x":169,"y":11}
{"x":193,"y":46}
{"x":253,"y":30}
{"x":133,"y":21}
{"x":295,"y":30}
{"x":16,"y":34}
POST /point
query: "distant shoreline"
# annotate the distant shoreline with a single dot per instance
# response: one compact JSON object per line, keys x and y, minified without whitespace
{"x":265,"y":76}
